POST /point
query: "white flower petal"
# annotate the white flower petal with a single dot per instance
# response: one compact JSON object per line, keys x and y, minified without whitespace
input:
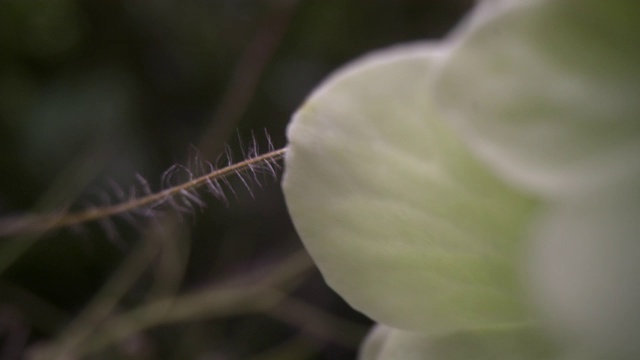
{"x":546,"y":92}
{"x":585,"y":268}
{"x":521,"y":343}
{"x":399,"y":216}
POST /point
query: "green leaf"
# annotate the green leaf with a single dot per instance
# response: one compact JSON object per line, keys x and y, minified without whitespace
{"x":400,"y":217}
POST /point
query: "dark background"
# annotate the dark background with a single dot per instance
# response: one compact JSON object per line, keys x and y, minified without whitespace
{"x":94,"y":92}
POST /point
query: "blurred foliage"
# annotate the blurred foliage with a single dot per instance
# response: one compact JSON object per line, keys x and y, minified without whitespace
{"x":93,"y":92}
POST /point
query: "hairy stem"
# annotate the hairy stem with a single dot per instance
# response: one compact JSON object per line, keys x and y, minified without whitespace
{"x":40,"y":223}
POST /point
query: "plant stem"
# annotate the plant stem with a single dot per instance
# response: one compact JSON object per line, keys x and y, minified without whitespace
{"x":41,"y":223}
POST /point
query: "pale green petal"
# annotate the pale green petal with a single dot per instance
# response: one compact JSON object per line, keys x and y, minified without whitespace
{"x":399,"y":216}
{"x":585,"y":267}
{"x":546,"y":92}
{"x":385,"y":343}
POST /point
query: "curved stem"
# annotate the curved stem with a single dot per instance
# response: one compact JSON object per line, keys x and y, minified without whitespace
{"x":33,"y":224}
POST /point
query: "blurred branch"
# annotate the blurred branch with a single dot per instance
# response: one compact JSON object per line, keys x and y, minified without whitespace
{"x":219,"y":301}
{"x":298,"y":347}
{"x":318,"y":323}
{"x":105,"y":301}
{"x":66,"y":187}
{"x":245,"y":78}
{"x":44,"y":316}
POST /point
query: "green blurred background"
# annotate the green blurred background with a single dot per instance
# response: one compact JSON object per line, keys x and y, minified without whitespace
{"x":93,"y":92}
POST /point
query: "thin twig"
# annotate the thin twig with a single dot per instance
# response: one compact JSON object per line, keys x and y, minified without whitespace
{"x":30,"y":224}
{"x":318,"y":323}
{"x":246,"y":77}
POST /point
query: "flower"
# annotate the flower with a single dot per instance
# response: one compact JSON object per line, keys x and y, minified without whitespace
{"x":479,"y":196}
